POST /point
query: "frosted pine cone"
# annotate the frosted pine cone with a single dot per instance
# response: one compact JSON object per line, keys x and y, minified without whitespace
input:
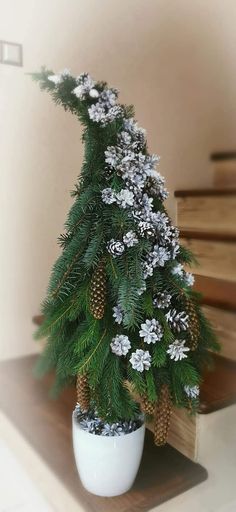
{"x":140,"y":360}
{"x":162,"y":300}
{"x":151,"y":331}
{"x":115,"y":247}
{"x":178,"y":321}
{"x":120,"y":345}
{"x":177,"y":350}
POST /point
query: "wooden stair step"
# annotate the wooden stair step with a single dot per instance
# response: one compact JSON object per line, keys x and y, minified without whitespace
{"x":46,"y":424}
{"x":224,"y":167}
{"x":219,"y":386}
{"x":214,"y":211}
{"x":216,"y":292}
{"x":224,"y":324}
{"x":216,"y":258}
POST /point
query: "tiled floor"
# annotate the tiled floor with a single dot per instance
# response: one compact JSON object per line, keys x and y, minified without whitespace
{"x":27,"y":485}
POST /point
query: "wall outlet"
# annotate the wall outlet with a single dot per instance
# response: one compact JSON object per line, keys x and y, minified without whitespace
{"x":11,"y":53}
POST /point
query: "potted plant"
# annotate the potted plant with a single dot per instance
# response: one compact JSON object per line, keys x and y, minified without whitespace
{"x":120,"y":318}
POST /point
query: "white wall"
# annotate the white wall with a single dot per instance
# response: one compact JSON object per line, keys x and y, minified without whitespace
{"x":174,"y":60}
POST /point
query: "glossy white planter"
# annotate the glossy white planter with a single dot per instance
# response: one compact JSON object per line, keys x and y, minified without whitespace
{"x":107,"y":466}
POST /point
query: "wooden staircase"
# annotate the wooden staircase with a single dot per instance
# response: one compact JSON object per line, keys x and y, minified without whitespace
{"x":207,"y":221}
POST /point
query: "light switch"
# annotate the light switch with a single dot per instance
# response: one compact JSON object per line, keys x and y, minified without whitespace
{"x":11,"y":53}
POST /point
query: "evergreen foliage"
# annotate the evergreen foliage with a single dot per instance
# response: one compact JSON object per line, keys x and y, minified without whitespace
{"x":108,"y":209}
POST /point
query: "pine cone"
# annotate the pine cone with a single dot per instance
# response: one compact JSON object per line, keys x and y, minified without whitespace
{"x":147,"y":406}
{"x":83,"y":392}
{"x":98,"y":291}
{"x":162,"y":416}
{"x":193,"y":324}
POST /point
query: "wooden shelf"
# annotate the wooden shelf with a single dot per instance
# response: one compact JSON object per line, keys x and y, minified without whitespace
{"x":46,"y":424}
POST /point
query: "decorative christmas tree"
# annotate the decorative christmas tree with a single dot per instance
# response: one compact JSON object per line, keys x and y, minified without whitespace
{"x":120,"y":316}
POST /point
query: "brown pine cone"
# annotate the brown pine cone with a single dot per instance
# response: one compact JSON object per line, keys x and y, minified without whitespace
{"x":162,"y":416}
{"x":146,"y":406}
{"x":98,"y":291}
{"x":193,"y":323}
{"x":83,"y":392}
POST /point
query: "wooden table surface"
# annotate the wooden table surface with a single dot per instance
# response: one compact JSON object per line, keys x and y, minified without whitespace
{"x":46,"y":424}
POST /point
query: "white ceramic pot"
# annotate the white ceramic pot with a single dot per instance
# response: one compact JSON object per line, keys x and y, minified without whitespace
{"x":107,"y":466}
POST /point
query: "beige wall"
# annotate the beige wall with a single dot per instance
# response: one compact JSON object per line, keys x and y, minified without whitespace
{"x":174,"y":59}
